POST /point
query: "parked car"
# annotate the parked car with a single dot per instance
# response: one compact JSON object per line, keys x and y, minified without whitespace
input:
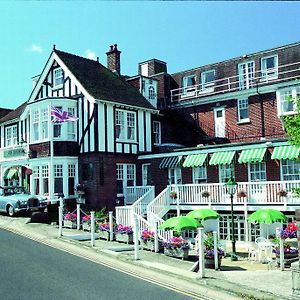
{"x":14,"y":199}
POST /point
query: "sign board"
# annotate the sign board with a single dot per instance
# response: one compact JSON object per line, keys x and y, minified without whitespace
{"x":17,"y":152}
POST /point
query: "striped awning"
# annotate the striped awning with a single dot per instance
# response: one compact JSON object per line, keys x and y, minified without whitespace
{"x":194,"y":160}
{"x":252,"y":155}
{"x":170,"y":162}
{"x":286,"y":152}
{"x":222,"y":158}
{"x":13,"y":172}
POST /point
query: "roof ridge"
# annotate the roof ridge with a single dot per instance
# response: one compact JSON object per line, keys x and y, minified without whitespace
{"x":79,"y":56}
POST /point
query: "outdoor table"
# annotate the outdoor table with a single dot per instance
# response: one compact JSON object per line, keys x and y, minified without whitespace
{"x":265,"y":251}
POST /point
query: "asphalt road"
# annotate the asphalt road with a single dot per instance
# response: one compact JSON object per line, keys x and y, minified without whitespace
{"x":29,"y":270}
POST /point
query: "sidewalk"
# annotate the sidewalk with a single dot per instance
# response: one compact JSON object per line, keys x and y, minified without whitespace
{"x":240,"y":280}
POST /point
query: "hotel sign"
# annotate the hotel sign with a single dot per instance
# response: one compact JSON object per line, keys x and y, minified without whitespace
{"x":13,"y":153}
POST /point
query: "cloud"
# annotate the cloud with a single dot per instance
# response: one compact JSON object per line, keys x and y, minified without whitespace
{"x":90,"y":54}
{"x":35,"y":48}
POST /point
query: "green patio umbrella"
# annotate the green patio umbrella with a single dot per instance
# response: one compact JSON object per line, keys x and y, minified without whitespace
{"x":180,"y":223}
{"x":267,"y":216}
{"x":203,"y":214}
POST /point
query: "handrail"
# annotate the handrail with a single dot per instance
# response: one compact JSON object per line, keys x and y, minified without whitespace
{"x":234,"y":83}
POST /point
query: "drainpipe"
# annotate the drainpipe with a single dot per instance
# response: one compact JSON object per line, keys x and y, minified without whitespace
{"x":262,"y":113}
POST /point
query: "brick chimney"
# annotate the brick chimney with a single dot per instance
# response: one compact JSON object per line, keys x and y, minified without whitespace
{"x":113,"y":59}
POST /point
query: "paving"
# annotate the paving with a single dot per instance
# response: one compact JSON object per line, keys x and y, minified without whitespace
{"x":242,"y":279}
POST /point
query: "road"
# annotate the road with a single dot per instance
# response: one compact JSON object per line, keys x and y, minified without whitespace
{"x":29,"y":270}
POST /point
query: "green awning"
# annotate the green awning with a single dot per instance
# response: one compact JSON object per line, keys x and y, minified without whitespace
{"x":170,"y":162}
{"x":222,"y":158}
{"x":252,"y":155}
{"x":286,"y":152}
{"x":13,"y":172}
{"x":194,"y":160}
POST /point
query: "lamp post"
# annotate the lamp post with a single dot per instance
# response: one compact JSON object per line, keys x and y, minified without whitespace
{"x":231,"y":190}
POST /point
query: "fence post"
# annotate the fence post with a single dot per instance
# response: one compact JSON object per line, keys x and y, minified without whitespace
{"x":60,"y":220}
{"x":216,"y":256}
{"x":136,"y":239}
{"x":201,"y":252}
{"x":92,"y":228}
{"x":246,"y":221}
{"x":78,"y":216}
{"x":155,"y":237}
{"x":111,"y":228}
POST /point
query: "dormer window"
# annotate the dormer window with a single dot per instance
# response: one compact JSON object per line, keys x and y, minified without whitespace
{"x":269,"y":67}
{"x":208,"y":80}
{"x":188,"y":84}
{"x":58,"y":77}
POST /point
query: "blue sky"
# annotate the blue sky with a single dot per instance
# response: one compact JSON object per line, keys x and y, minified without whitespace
{"x":184,"y":34}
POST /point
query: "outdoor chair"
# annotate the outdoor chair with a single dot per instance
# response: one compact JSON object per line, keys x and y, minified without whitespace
{"x":252,"y":252}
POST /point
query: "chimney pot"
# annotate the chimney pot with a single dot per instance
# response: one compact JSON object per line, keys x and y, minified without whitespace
{"x":111,"y":47}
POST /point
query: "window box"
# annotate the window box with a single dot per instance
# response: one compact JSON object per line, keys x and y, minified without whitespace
{"x":124,"y":238}
{"x":70,"y":224}
{"x":177,"y":252}
{"x":104,"y":235}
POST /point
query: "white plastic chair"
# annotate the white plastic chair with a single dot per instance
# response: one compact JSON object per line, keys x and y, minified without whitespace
{"x":252,"y":252}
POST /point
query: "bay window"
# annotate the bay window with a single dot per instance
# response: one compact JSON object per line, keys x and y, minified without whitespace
{"x":11,"y":136}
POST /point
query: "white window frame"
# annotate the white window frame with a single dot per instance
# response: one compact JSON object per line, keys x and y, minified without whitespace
{"x":174,"y":176}
{"x":243,"y":104}
{"x":71,"y":125}
{"x":246,"y":78}
{"x":255,"y":170}
{"x":35,"y":125}
{"x":225,"y":172}
{"x":156,"y":132}
{"x":151,"y":93}
{"x":11,"y":135}
{"x":269,"y":74}
{"x":44,"y":134}
{"x":188,"y":89}
{"x":126,"y":120}
{"x":146,"y":174}
{"x":200,"y":174}
{"x":207,"y":86}
{"x":126,"y":173}
{"x":282,"y":96}
{"x":286,"y":165}
{"x":58,"y":78}
{"x":44,"y":175}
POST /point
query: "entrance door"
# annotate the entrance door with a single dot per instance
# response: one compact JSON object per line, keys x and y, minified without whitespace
{"x":219,"y":116}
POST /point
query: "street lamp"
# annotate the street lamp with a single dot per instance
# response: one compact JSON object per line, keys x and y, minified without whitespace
{"x":231,"y":190}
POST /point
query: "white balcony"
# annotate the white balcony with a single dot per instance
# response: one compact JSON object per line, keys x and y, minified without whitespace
{"x":236,"y":83}
{"x":258,"y":194}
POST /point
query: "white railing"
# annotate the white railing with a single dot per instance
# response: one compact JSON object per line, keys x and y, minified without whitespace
{"x":158,"y":207}
{"x":261,"y":193}
{"x":124,"y":214}
{"x":235,"y":83}
{"x":133,"y":193}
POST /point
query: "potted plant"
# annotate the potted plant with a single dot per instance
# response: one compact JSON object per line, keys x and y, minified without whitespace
{"x":86,"y":222}
{"x":290,"y":253}
{"x":176,"y":247}
{"x":147,"y":241}
{"x":104,"y":231}
{"x":241,"y":194}
{"x":205,"y":194}
{"x":209,"y":254}
{"x":124,"y":234}
{"x":70,"y":220}
{"x":173,"y":195}
{"x":281,"y":193}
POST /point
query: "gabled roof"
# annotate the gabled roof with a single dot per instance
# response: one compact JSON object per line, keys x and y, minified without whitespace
{"x":14,"y":114}
{"x":101,"y":83}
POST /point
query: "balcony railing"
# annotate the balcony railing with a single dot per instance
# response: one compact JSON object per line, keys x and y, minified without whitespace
{"x":239,"y":82}
{"x":257,"y":193}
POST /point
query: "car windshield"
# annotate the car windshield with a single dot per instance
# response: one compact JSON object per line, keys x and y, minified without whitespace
{"x":14,"y":190}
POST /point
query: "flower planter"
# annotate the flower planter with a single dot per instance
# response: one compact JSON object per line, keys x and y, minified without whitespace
{"x":209,"y":262}
{"x":288,"y":259}
{"x":86,"y":226}
{"x":124,"y":238}
{"x":150,"y":245}
{"x":70,"y":224}
{"x":177,"y":252}
{"x":104,"y":235}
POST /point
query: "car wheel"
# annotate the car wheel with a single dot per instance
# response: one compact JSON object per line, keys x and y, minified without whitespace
{"x":10,"y":211}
